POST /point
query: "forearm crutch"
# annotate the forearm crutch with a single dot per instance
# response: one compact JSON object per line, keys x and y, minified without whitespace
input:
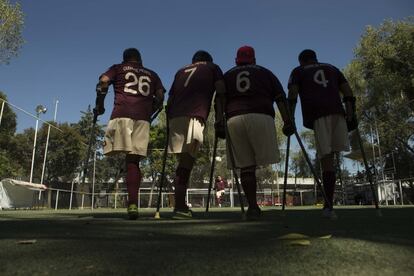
{"x":213,"y":163}
{"x":164,"y":161}
{"x":368,"y":171}
{"x":315,"y":176}
{"x":286,"y":173}
{"x":233,"y":165}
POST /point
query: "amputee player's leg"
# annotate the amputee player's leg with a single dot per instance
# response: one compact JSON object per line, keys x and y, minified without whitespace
{"x":330,"y":136}
{"x":328,"y":178}
{"x":182,"y":175}
{"x":248,"y":182}
{"x":139,"y":139}
{"x":187,"y":135}
{"x":133,"y":181}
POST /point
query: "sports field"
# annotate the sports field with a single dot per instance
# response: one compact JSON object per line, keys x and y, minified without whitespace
{"x":103,"y":242}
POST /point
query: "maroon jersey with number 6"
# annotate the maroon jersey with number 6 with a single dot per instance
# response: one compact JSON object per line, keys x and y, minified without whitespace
{"x":318,"y":90}
{"x":134,"y":88}
{"x":251,"y":89}
{"x":193,"y":89}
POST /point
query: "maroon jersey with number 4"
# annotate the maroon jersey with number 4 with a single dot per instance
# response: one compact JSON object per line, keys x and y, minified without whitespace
{"x":318,"y":90}
{"x":134,"y":88}
{"x":251,"y":89}
{"x":193,"y":89}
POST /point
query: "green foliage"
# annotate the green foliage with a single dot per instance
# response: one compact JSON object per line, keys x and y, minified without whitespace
{"x":11,"y":25}
{"x":8,"y":120}
{"x":64,"y":152}
{"x":382,"y":77}
{"x":8,"y":168}
{"x":152,"y":165}
{"x":299,"y":166}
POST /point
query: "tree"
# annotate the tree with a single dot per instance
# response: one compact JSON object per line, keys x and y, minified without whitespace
{"x":382,"y":77}
{"x":11,"y":25}
{"x":8,"y":120}
{"x":64,"y":152}
{"x":299,"y":165}
{"x":84,"y":128}
{"x":152,"y":165}
{"x":8,"y":168}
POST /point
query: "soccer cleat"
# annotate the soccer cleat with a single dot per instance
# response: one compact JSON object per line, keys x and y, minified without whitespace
{"x":253,"y":213}
{"x":182,"y":214}
{"x":329,"y":214}
{"x":132,"y":211}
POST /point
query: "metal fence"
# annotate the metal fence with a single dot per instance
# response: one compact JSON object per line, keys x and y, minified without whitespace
{"x":67,"y":199}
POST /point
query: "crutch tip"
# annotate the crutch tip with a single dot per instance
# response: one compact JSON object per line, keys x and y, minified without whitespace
{"x":157,"y":215}
{"x":378,"y":213}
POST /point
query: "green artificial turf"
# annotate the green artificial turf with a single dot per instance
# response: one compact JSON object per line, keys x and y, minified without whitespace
{"x":103,"y":242}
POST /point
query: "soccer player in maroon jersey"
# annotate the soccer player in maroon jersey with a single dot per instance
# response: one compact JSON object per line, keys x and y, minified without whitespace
{"x":136,"y":90}
{"x":319,"y":86}
{"x":251,"y":91}
{"x":220,"y":186}
{"x":188,"y":107}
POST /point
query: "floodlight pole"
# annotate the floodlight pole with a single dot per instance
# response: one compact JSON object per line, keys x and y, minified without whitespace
{"x":39,"y":109}
{"x":47,"y":144}
{"x":1,"y":111}
{"x":93,"y":180}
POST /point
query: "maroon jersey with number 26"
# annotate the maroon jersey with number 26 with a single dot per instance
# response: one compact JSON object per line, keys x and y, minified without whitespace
{"x":134,"y":88}
{"x":193,"y":89}
{"x":318,"y":90}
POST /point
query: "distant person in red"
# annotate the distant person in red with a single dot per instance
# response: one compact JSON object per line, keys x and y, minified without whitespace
{"x":319,"y":86}
{"x":138,"y":93}
{"x":251,"y":91}
{"x":188,"y":108}
{"x":220,"y":187}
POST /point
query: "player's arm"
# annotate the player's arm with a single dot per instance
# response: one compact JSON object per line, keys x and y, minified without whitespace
{"x":350,"y":106}
{"x":292,"y":99}
{"x":280,"y":98}
{"x":220,"y":99}
{"x":220,"y":103}
{"x":348,"y":97}
{"x":101,"y":91}
{"x":288,"y":123}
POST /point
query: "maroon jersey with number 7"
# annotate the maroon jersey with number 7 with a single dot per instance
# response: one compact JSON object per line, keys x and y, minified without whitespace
{"x":134,"y":88}
{"x":318,"y":90}
{"x":193,"y":89}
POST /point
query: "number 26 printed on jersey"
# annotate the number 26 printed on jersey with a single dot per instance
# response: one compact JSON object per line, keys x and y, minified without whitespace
{"x":144,"y":84}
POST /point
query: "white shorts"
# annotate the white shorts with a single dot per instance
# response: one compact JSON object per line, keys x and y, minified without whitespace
{"x":331,"y":134}
{"x":186,"y":135}
{"x":220,"y":193}
{"x":125,"y":135}
{"x":254,"y":140}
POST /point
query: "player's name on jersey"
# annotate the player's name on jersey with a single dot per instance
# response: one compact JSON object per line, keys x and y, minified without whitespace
{"x":196,"y":63}
{"x":241,"y":67}
{"x":136,"y":70}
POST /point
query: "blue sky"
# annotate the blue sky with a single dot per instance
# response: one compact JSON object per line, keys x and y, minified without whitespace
{"x":70,"y":43}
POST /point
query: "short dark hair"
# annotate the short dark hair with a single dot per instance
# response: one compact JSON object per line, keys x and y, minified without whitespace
{"x":202,"y":55}
{"x":132,"y":54}
{"x":307,"y":55}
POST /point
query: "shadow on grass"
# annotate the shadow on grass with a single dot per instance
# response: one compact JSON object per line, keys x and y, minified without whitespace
{"x":100,"y":239}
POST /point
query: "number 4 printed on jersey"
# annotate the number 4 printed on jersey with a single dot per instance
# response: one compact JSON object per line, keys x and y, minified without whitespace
{"x":319,"y":78}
